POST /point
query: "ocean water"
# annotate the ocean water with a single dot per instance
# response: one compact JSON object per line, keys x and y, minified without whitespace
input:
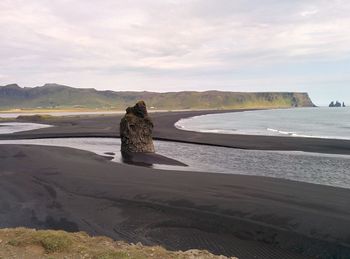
{"x":316,"y":168}
{"x":317,"y":122}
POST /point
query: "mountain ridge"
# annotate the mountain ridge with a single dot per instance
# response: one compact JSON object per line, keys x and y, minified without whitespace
{"x":56,"y":96}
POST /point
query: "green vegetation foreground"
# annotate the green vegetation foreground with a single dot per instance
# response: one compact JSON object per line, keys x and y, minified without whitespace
{"x":37,"y":244}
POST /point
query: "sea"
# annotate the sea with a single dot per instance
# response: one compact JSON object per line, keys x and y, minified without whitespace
{"x":318,"y":122}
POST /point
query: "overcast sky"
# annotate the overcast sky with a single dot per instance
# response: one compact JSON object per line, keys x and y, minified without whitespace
{"x":169,"y":45}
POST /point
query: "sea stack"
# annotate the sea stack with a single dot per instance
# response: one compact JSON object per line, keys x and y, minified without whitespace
{"x":136,"y":130}
{"x":336,"y":104}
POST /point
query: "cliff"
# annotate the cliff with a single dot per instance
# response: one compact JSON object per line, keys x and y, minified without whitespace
{"x":54,"y":96}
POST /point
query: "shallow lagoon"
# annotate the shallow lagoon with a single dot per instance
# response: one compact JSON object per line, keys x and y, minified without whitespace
{"x":316,"y":168}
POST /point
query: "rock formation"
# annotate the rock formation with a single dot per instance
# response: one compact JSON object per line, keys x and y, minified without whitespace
{"x":336,"y":104}
{"x":136,"y":130}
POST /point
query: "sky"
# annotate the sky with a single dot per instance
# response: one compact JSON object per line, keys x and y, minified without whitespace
{"x":168,"y":45}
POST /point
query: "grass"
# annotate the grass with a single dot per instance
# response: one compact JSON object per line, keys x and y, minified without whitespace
{"x":114,"y":255}
{"x":51,"y":241}
{"x":30,"y":244}
{"x":55,"y":242}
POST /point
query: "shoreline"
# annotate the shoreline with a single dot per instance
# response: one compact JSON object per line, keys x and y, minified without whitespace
{"x":237,"y":215}
{"x":269,"y":131}
{"x":108,"y":126}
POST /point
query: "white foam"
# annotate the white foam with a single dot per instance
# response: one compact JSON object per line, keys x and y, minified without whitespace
{"x":218,"y":131}
{"x":282,"y":132}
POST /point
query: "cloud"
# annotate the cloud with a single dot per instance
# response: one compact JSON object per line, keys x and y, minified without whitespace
{"x":309,"y":12}
{"x":104,"y":43}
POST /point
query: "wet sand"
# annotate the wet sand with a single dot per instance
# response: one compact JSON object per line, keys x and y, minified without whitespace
{"x":245,"y":216}
{"x":108,"y":126}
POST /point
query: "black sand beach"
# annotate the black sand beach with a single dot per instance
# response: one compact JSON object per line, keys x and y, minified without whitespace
{"x":243,"y":216}
{"x":108,"y":126}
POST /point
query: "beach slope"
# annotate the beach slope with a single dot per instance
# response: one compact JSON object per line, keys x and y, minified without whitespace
{"x":244,"y":216}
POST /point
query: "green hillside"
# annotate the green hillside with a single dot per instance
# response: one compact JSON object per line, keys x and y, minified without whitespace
{"x":54,"y":96}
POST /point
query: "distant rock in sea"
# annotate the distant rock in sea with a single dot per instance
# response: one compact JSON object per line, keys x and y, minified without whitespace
{"x":336,"y":104}
{"x":136,"y":130}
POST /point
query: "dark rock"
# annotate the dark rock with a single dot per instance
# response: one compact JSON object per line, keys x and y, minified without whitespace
{"x":294,"y":102}
{"x":336,"y":104}
{"x":136,"y":130}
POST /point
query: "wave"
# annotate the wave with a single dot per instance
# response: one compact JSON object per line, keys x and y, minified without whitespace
{"x":275,"y":132}
{"x":312,"y":123}
{"x":293,"y":134}
{"x":282,"y":132}
{"x":220,"y":131}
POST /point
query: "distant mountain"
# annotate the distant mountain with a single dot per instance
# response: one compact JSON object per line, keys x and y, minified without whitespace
{"x":55,"y":96}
